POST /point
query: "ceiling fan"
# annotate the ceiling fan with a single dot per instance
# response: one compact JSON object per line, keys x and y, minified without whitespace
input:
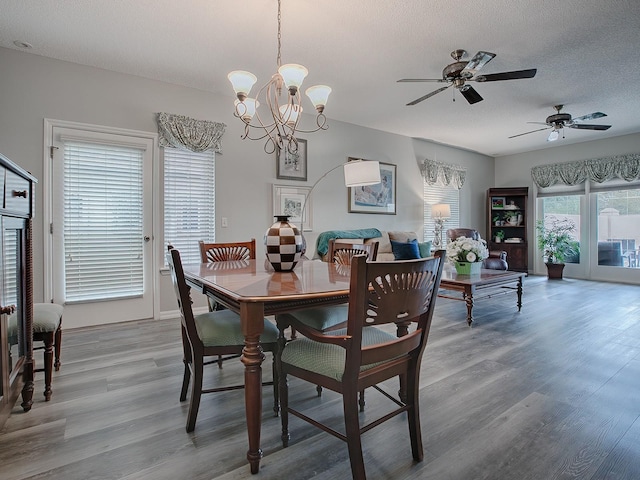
{"x":460,"y":72}
{"x":559,"y":120}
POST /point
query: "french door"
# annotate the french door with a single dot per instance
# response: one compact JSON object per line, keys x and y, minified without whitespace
{"x":607,"y":232}
{"x":101,"y":265}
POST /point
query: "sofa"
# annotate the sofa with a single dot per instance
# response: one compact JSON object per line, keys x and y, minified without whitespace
{"x":497,"y":259}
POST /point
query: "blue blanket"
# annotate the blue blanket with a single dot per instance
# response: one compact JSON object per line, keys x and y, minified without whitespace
{"x":322,"y":245}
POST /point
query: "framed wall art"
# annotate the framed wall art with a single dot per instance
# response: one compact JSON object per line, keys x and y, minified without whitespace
{"x":289,"y":201}
{"x":292,"y":166}
{"x":379,"y":198}
{"x":497,"y":203}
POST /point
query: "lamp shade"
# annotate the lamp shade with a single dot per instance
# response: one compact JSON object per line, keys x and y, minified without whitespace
{"x":289,"y":113}
{"x":293,"y":74}
{"x":318,"y":94}
{"x":553,"y":136}
{"x":242,"y":82}
{"x":441,"y":210}
{"x":246,"y":109}
{"x":360,"y":172}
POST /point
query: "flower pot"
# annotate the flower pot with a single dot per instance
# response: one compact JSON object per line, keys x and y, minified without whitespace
{"x":554,"y":270}
{"x":468,"y":268}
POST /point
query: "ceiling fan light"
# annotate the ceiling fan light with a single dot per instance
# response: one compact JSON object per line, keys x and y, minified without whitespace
{"x":318,"y":94}
{"x":242,"y":82}
{"x":553,"y":136}
{"x":293,"y":75}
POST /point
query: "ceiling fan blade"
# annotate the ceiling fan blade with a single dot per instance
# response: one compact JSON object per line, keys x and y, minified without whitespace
{"x":515,"y":75}
{"x":404,"y":80}
{"x":470,"y":94}
{"x":478,"y":61}
{"x":538,"y":123}
{"x":527,"y":133}
{"x":418,"y":100}
{"x":591,"y":116}
{"x":586,"y":126}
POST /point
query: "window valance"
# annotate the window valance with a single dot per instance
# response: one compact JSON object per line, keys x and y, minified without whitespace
{"x":626,"y":167}
{"x":435,"y":172}
{"x":188,"y":133}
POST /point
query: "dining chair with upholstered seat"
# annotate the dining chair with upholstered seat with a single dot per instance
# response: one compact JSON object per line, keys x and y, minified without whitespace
{"x":323,"y":319}
{"x":225,"y":252}
{"x":363,"y":355}
{"x":210,"y":334}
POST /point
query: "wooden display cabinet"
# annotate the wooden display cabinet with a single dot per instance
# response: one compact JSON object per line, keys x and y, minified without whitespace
{"x":17,"y":190}
{"x":507,"y":213}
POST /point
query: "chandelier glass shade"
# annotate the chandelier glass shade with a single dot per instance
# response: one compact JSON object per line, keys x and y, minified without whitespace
{"x":279,"y":124}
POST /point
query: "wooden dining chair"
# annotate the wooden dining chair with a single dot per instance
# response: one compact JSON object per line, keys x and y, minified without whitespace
{"x":225,"y":252}
{"x":210,"y":334}
{"x":324,"y":319}
{"x":349,"y":360}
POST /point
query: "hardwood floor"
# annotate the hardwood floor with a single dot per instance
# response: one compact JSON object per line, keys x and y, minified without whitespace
{"x":552,"y":392}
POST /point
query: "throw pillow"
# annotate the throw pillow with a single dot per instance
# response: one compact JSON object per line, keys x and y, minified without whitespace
{"x":425,"y":249}
{"x":405,"y":251}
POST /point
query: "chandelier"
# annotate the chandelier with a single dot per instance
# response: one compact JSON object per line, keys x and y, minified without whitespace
{"x":281,"y":127}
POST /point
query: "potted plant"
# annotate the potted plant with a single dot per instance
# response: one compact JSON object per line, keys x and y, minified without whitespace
{"x":496,"y":221}
{"x":499,"y":236}
{"x":467,"y":255}
{"x":556,"y":243}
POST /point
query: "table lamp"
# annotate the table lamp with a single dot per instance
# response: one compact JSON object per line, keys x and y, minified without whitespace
{"x":439,"y":212}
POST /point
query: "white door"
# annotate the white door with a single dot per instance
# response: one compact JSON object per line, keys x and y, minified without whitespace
{"x":101,"y":229}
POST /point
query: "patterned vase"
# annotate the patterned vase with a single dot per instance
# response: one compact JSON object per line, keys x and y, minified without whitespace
{"x":284,"y":244}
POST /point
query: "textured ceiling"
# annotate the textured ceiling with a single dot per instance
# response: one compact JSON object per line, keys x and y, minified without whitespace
{"x":586,"y":53}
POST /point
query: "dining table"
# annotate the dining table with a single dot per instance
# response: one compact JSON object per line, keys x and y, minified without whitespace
{"x":253,"y":289}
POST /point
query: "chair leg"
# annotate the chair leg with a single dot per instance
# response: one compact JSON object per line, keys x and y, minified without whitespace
{"x":352,"y":430}
{"x":185,"y":380}
{"x":196,"y":393}
{"x":48,"y":339}
{"x":276,"y":386}
{"x":361,"y":401}
{"x":58,"y":347}
{"x":219,"y":361}
{"x":284,"y":406}
{"x":413,"y":417}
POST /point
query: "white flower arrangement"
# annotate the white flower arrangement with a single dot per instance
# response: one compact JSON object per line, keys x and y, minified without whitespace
{"x":464,"y":249}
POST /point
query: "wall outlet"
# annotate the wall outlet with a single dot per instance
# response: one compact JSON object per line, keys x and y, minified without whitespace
{"x":224,"y":222}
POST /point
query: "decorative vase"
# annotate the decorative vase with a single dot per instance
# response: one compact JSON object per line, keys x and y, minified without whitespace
{"x":284,"y":244}
{"x":468,"y":268}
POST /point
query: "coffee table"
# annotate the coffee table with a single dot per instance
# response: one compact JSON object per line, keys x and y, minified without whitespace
{"x":487,"y":284}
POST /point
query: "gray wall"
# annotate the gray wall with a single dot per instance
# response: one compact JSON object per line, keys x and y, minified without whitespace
{"x":33,"y":88}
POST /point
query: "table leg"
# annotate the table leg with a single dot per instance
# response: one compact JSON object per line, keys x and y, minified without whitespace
{"x":468,"y":298}
{"x":252,"y":316}
{"x":519,"y":290}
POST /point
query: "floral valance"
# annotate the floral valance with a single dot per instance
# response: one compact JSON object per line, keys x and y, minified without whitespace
{"x":626,"y":167}
{"x":443,"y":173}
{"x":188,"y":133}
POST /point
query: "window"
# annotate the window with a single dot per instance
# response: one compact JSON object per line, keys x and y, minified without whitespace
{"x":434,"y":194}
{"x":103,"y":222}
{"x":189,"y":201}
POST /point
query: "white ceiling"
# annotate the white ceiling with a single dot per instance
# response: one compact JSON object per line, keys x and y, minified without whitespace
{"x":587,"y":53}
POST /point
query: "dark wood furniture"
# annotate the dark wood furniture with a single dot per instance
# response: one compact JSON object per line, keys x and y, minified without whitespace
{"x":210,"y":334}
{"x":17,"y":207}
{"x":47,"y":328}
{"x":254,"y":290}
{"x":504,"y":203}
{"x":225,"y":252}
{"x":362,"y":355}
{"x":488,"y":283}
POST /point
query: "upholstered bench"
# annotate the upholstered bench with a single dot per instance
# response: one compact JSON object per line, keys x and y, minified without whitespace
{"x":47,"y":328}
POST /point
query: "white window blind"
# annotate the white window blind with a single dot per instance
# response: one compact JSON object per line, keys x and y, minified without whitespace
{"x":189,"y":201}
{"x":103,"y":233}
{"x":434,"y":194}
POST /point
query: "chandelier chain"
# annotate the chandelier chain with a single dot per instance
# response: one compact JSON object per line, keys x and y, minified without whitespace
{"x":279,"y":36}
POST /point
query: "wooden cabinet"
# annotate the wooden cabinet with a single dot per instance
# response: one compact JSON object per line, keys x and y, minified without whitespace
{"x":16,"y":289}
{"x":507,"y":216}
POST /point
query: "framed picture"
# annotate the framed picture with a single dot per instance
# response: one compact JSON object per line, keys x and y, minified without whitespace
{"x":379,"y":198}
{"x":289,"y":201}
{"x":292,"y":166}
{"x":497,"y":203}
